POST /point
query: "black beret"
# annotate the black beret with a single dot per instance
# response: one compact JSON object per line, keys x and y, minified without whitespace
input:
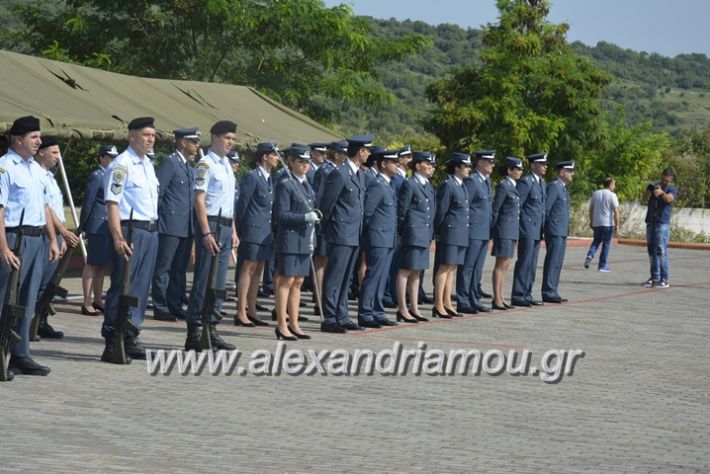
{"x":222,"y":127}
{"x":141,"y":122}
{"x":48,"y":141}
{"x":24,"y":125}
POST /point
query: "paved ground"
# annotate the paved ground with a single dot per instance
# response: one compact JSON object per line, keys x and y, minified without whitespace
{"x":639,"y":401}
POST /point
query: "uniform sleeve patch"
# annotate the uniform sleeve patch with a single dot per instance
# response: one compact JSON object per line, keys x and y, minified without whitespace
{"x":201,"y":170}
{"x":119,"y":175}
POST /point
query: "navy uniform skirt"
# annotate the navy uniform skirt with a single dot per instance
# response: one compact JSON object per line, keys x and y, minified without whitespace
{"x":413,"y":258}
{"x":252,"y":251}
{"x":504,"y":248}
{"x":293,"y":264}
{"x":98,"y":252}
{"x":451,"y":254}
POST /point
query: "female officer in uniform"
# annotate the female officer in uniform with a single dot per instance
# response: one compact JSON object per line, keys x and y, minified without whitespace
{"x":416,"y":205}
{"x":294,"y":219}
{"x":451,"y":229}
{"x":505,"y":226}
{"x":253,"y":217}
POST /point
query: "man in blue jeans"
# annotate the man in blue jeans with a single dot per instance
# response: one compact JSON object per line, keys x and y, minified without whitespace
{"x":660,"y":196}
{"x":604,"y":219}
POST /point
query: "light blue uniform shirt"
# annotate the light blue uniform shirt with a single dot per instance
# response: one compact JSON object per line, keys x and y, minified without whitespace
{"x":130,"y":181}
{"x":55,"y":199}
{"x":22,"y":186}
{"x":215,"y":177}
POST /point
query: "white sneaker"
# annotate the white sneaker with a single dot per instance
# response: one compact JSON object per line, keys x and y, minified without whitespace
{"x":604,"y":269}
{"x":663,"y":284}
{"x":649,"y":283}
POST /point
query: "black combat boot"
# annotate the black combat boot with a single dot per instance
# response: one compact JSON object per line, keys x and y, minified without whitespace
{"x":46,"y":331}
{"x":219,"y":343}
{"x":192,"y":342}
{"x":134,"y":348}
{"x":110,"y":355}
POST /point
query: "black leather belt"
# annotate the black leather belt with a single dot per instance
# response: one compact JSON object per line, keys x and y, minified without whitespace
{"x":28,"y":230}
{"x":150,"y":226}
{"x":222,"y":220}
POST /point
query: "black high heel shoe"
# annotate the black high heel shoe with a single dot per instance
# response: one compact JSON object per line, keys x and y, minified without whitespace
{"x":239,"y":322}
{"x":402,"y":319}
{"x":453,"y":312}
{"x":299,"y":336}
{"x":502,"y":308}
{"x":418,"y":317}
{"x":437,"y":314}
{"x":256,"y":321}
{"x":98,"y":307}
{"x":85,"y":311}
{"x":280,"y":335}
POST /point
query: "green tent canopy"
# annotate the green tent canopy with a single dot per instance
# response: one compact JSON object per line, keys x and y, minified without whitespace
{"x":82,"y":102}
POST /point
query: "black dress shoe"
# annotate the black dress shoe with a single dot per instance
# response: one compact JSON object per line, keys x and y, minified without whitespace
{"x":484,"y":294}
{"x":280,"y":335}
{"x":46,"y":331}
{"x":369,"y":324}
{"x":239,"y":322}
{"x":86,"y":312}
{"x":402,"y":319}
{"x":418,"y":317}
{"x":160,"y":316}
{"x":437,"y":314}
{"x":483,"y":309}
{"x":134,"y":349}
{"x":350,"y":326}
{"x":467,"y":310}
{"x":537,"y":303}
{"x":300,"y":336}
{"x":26,"y":366}
{"x":218,"y":343}
{"x":179,"y":314}
{"x":257,"y":321}
{"x":502,"y":308}
{"x":332,"y":327}
{"x":523,"y":304}
{"x":386,"y":322}
{"x":261,"y":307}
{"x":554,"y":299}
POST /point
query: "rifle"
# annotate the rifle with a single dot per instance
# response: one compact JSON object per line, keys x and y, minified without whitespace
{"x":43,"y":308}
{"x":213,"y":293}
{"x":126,"y":301}
{"x":12,"y":312}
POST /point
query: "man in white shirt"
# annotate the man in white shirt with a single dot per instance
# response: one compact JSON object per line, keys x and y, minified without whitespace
{"x":604,"y":219}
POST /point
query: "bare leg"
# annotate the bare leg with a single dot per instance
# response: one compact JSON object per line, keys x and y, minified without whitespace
{"x":246,"y":277}
{"x":440,"y":281}
{"x":282,"y":289}
{"x":361,"y":271}
{"x":98,"y":290}
{"x":87,"y":283}
{"x":499,"y":271}
{"x":449,"y":288}
{"x":402,"y":281}
{"x":254,"y":287}
{"x":319,"y":263}
{"x":294,"y":303}
{"x":413,"y":287}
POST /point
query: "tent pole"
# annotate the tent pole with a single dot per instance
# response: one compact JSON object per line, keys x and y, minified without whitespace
{"x":67,"y":191}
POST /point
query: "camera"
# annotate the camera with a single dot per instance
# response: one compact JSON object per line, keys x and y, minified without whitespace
{"x":652,"y":187}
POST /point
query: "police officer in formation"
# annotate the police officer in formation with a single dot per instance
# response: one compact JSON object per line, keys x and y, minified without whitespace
{"x":47,"y":157}
{"x":253,"y":215}
{"x":24,"y":209}
{"x":416,"y":207}
{"x":131,"y":194}
{"x":92,"y":222}
{"x":556,"y":231}
{"x":294,"y":218}
{"x":176,"y":207}
{"x":505,"y":227}
{"x":378,"y":239}
{"x":214,"y":206}
{"x":480,"y":196}
{"x":342,"y":204}
{"x":532,"y":192}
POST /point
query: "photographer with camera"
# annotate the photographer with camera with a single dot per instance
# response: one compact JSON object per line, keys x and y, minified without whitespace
{"x":660,"y":197}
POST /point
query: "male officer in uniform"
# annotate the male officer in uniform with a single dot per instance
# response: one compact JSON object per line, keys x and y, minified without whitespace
{"x":131,"y":186}
{"x":47,"y":157}
{"x":176,"y":198}
{"x":468,"y":278}
{"x":342,"y":206}
{"x":379,"y":235}
{"x":556,"y":231}
{"x":532,"y":192}
{"x":22,"y":189}
{"x":319,"y":152}
{"x":214,"y":202}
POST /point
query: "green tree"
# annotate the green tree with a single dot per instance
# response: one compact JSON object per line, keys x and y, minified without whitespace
{"x":296,"y":51}
{"x":530,"y":93}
